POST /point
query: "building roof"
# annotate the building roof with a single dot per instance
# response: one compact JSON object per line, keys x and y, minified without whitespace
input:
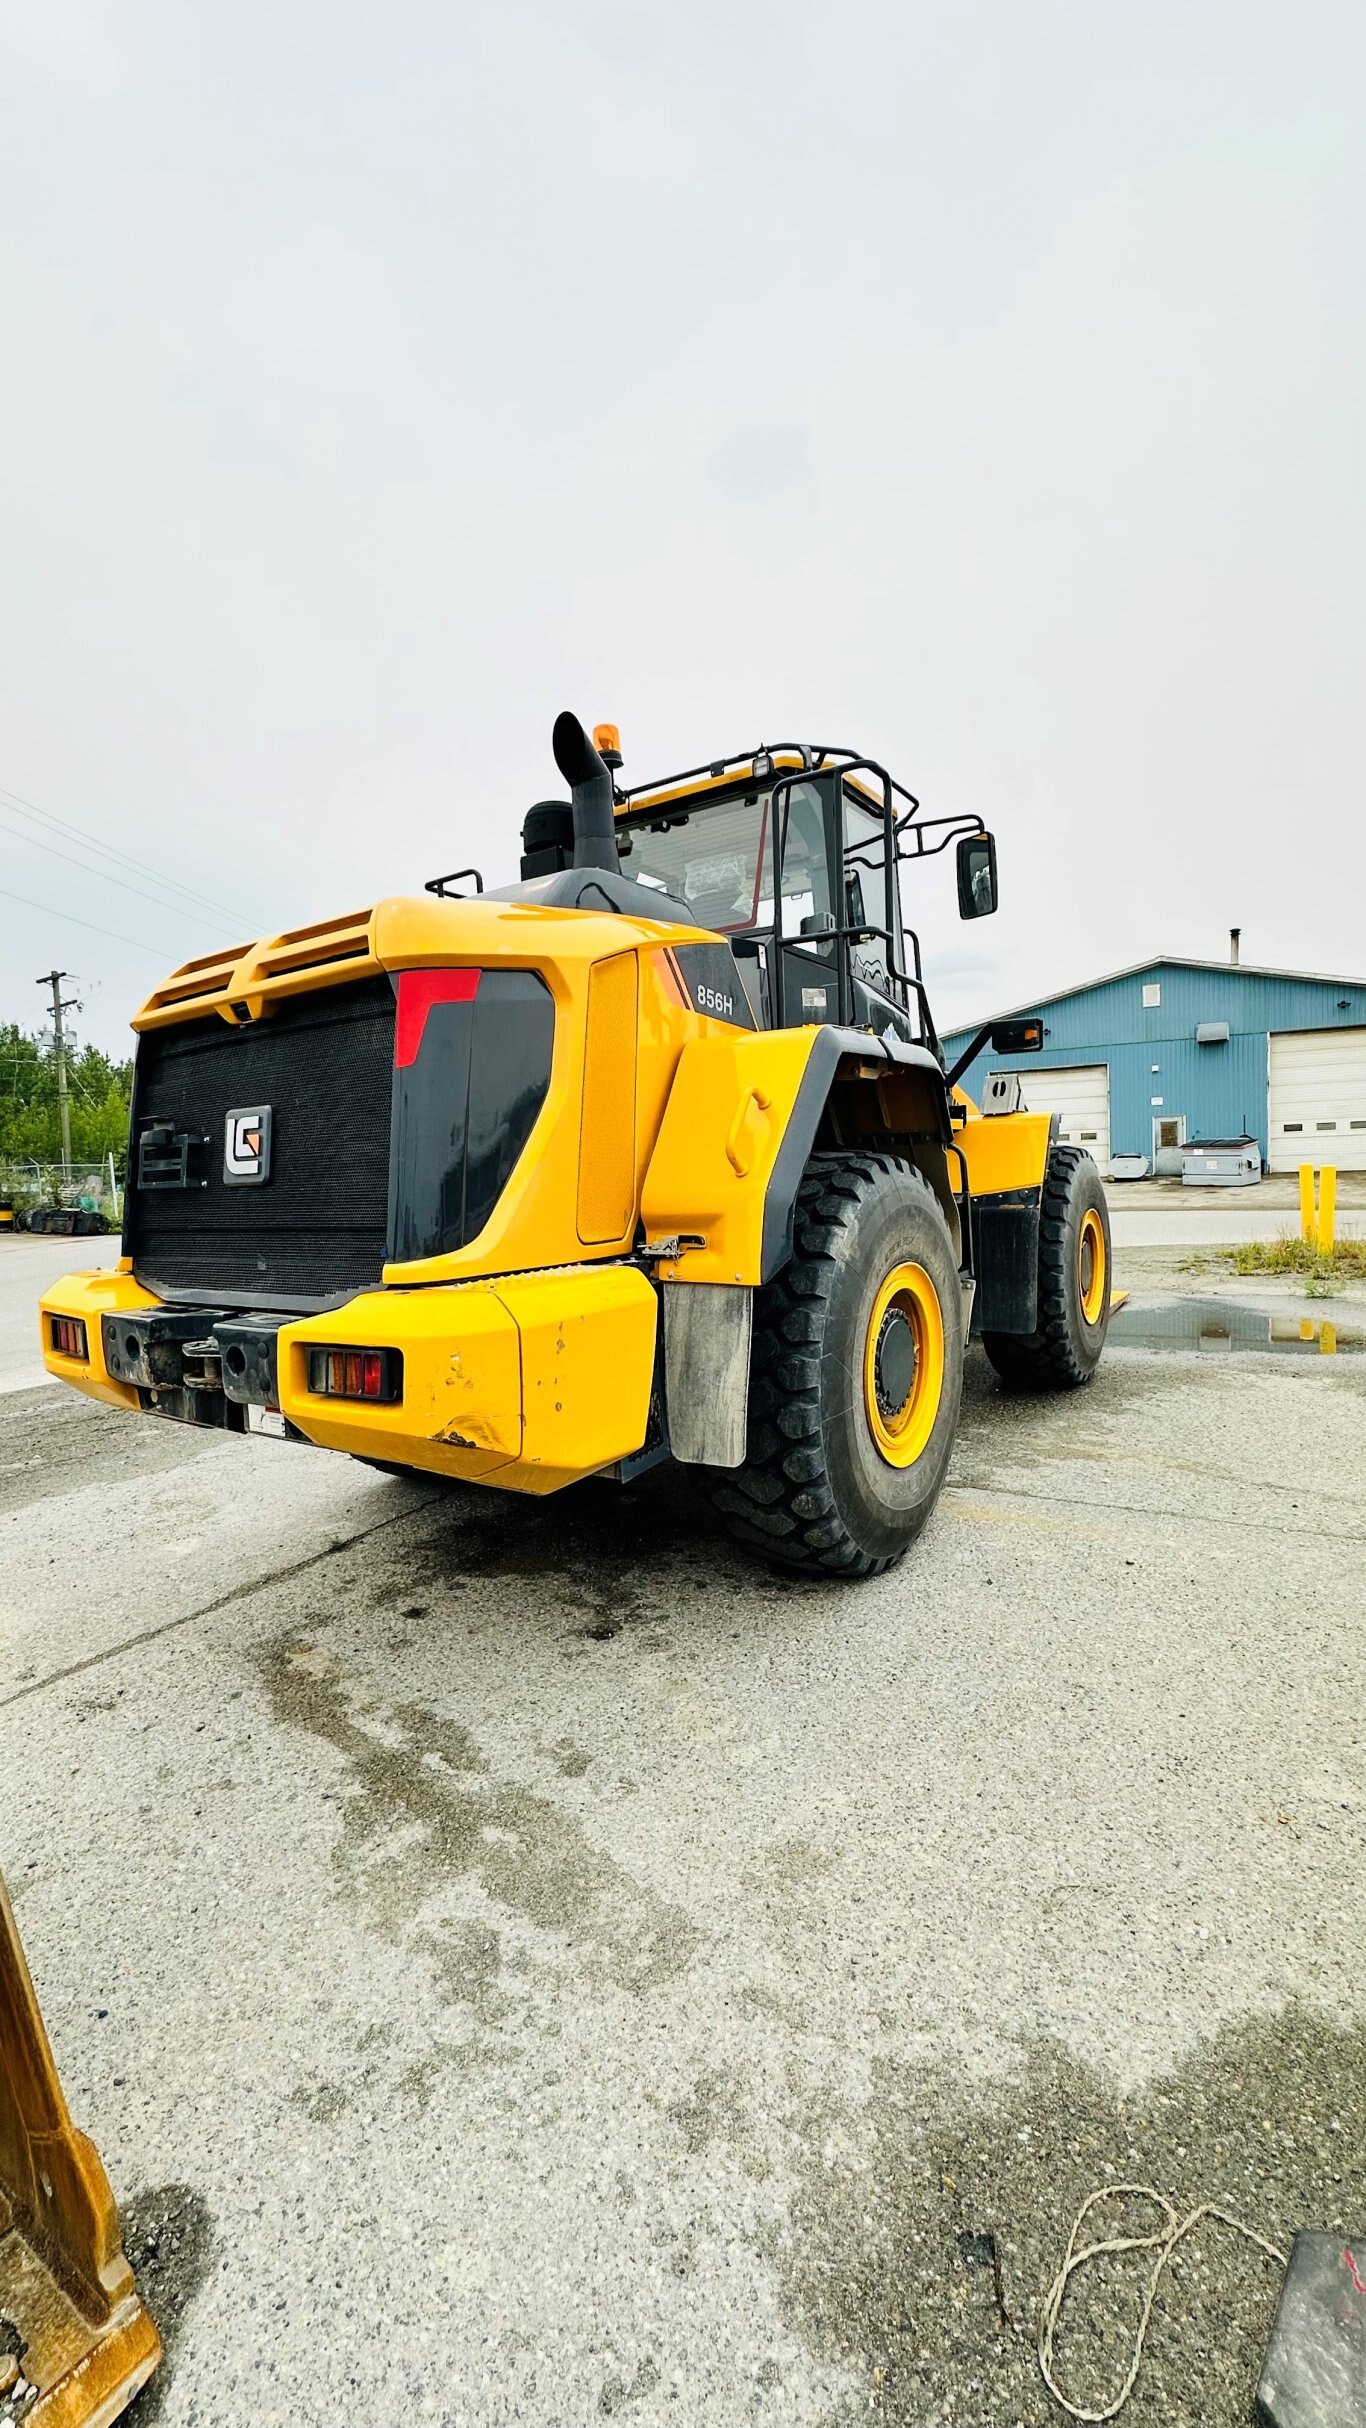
{"x":1163,"y":961}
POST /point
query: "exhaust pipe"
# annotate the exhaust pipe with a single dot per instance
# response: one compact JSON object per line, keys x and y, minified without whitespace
{"x":595,"y":834}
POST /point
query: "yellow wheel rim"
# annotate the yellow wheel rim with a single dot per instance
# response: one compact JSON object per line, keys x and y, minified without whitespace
{"x":1092,"y":1278}
{"x":903,"y":1365}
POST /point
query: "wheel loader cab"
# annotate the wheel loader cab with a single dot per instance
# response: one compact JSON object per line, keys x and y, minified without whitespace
{"x":799,"y":873}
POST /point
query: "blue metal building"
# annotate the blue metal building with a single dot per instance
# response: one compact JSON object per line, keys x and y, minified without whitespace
{"x":1142,"y":1061}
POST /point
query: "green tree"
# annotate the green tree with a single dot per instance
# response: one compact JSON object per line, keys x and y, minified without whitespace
{"x":99,"y":1092}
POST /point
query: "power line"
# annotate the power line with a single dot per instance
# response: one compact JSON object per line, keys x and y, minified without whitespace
{"x":157,"y":952}
{"x":61,"y":1003}
{"x":79,"y":834}
{"x":106,"y":875}
{"x":110,"y":851}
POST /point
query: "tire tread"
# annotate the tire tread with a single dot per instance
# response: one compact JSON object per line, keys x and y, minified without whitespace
{"x":1046,"y":1358}
{"x":779,"y":1502}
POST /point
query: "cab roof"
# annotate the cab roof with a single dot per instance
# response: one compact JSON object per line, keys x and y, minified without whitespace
{"x":750,"y":771}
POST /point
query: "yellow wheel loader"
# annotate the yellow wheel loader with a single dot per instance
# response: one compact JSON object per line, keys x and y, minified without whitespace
{"x":651,"y":1155}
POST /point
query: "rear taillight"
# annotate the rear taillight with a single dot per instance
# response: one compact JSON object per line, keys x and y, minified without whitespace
{"x":375,"y":1374}
{"x":68,"y":1337}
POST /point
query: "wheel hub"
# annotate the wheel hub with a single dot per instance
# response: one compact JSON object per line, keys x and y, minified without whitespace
{"x":894,"y":1364}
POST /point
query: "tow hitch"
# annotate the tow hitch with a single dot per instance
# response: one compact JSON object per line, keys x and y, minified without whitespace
{"x":200,"y":1367}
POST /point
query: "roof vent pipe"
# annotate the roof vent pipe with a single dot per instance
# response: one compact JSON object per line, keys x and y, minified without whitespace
{"x":595,"y":838}
{"x":1234,"y":935}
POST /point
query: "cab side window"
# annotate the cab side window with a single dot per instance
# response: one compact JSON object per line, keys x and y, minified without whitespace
{"x":806,"y":869}
{"x":865,"y":888}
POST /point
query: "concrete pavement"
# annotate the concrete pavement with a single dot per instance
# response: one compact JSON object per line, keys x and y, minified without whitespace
{"x":522,"y":1962}
{"x":1211,"y":1226}
{"x":1164,"y":1213}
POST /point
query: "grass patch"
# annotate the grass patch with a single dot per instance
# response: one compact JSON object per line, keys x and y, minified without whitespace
{"x":1346,"y":1261}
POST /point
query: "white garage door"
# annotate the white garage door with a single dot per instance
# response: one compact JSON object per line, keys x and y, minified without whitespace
{"x":1317,"y":1109}
{"x":1081,"y":1098}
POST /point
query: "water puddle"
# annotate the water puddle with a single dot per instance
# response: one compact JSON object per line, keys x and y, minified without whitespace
{"x":1216,"y":1326}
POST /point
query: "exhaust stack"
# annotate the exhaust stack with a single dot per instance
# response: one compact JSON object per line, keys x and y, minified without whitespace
{"x":1235,"y":938}
{"x":595,"y":839}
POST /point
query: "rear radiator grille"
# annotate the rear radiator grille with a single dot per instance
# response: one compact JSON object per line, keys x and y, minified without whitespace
{"x":315,"y":1230}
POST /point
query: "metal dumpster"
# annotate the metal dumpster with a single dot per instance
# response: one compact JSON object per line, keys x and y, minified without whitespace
{"x":1221,"y":1163}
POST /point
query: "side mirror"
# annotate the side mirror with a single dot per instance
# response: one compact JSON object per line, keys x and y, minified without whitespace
{"x":976,"y":876}
{"x":1017,"y":1037}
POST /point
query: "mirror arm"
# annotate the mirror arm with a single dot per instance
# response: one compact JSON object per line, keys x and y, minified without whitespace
{"x":961,"y":823}
{"x":970,"y":1054}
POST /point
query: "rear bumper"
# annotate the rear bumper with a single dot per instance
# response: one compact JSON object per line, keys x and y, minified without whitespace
{"x":528,"y":1382}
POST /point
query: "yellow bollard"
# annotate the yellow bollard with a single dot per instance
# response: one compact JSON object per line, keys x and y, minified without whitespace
{"x":1308,"y":1226}
{"x":1328,"y":1340}
{"x":1328,"y":1193}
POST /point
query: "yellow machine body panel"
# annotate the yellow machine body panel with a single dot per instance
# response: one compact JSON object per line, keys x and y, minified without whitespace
{"x":529,"y":1353}
{"x":88,"y":1296}
{"x":527,"y":1383}
{"x":723,"y":1128}
{"x":1004,"y":1151}
{"x":86,"y":2344}
{"x":621,"y":1021}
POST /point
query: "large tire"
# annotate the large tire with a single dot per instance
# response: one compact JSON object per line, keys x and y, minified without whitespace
{"x":1074,"y":1284}
{"x":856,"y":1375}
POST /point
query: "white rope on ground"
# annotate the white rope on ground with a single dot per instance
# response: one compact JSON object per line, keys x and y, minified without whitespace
{"x":1164,"y":2242}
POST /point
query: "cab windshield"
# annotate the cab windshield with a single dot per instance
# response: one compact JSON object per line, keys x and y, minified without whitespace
{"x":719,"y":860}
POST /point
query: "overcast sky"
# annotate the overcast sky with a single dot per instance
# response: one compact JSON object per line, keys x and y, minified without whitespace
{"x":978,"y":383}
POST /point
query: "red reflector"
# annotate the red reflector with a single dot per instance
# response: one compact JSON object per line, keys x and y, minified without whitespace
{"x":418,"y":990}
{"x":68,"y":1337}
{"x":372,"y":1376}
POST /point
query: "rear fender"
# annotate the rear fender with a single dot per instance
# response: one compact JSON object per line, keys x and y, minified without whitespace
{"x":1006,"y":1155}
{"x":745,"y":1114}
{"x":899,"y":1106}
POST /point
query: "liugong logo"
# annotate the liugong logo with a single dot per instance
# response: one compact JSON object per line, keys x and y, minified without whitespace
{"x":246,"y":1145}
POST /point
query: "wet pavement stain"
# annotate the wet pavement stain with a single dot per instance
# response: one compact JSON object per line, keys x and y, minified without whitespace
{"x":1221,"y":1326}
{"x":168,"y":2238}
{"x":712,"y":2111}
{"x":570,"y":1760}
{"x":420,"y":1810}
{"x":926,"y":2232}
{"x":593,"y":1544}
{"x":619,"y":2393}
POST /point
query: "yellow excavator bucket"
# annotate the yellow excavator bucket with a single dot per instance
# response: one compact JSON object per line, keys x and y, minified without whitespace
{"x":75,"y":2341}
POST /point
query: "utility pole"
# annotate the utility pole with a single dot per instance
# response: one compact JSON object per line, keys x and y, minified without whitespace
{"x":54,"y":980}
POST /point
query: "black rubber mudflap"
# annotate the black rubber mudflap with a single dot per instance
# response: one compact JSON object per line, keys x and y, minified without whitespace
{"x":1315,"y":2373}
